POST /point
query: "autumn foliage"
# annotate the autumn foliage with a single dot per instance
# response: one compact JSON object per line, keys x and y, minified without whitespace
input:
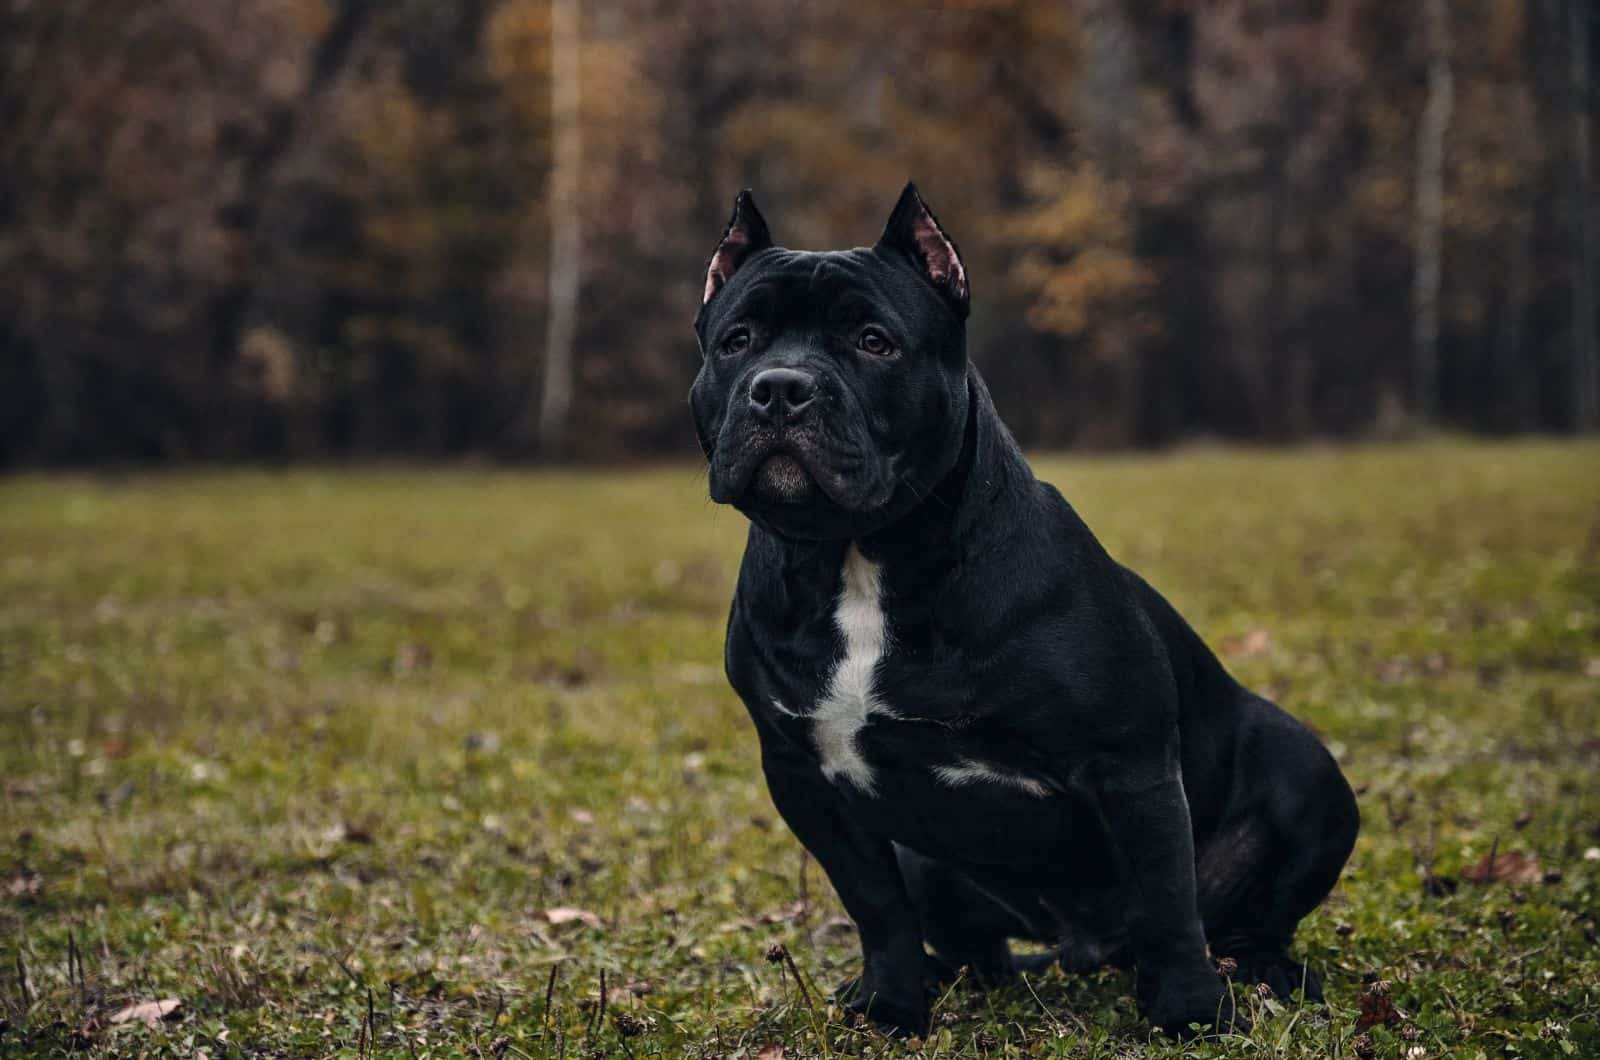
{"x":320,"y":228}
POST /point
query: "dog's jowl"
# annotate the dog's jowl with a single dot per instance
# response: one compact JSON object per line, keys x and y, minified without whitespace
{"x":981,"y":725}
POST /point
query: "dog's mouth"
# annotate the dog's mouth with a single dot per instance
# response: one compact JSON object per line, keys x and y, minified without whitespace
{"x":791,"y":471}
{"x":782,"y":479}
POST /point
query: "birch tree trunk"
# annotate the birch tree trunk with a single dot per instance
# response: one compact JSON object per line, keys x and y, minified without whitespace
{"x":1586,"y":386}
{"x":1429,"y":236}
{"x":566,"y":230}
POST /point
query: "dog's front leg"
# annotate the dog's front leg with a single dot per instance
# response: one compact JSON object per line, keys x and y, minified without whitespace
{"x":896,"y":975}
{"x":1146,"y":818}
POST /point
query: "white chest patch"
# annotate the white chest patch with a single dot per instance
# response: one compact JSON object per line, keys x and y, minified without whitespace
{"x":849,"y":699}
{"x":969,"y":771}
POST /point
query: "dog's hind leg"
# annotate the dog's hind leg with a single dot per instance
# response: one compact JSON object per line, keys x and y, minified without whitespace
{"x":962,"y":924}
{"x":1277,"y":855}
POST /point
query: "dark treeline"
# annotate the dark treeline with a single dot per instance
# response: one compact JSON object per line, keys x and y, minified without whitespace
{"x":278,"y":229}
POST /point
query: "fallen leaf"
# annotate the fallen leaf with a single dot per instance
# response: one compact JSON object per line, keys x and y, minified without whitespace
{"x":149,"y":1013}
{"x":1376,"y":1008}
{"x":637,"y":987}
{"x":770,"y":1051}
{"x":567,"y":915}
{"x":1509,"y":866}
{"x":25,"y":886}
{"x":1253,"y":644}
{"x":1591,"y":668}
{"x":623,"y":994}
{"x":793,"y":911}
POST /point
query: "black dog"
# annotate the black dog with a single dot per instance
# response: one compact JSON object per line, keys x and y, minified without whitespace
{"x":979,"y":723}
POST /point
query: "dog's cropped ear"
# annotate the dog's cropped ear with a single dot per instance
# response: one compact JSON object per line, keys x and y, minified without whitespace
{"x":915,"y":232}
{"x":746,"y":233}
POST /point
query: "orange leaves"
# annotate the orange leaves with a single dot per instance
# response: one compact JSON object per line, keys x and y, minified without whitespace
{"x":1077,"y":259}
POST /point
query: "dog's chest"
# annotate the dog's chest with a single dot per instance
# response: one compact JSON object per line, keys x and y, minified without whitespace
{"x":869,"y":743}
{"x":849,"y":698}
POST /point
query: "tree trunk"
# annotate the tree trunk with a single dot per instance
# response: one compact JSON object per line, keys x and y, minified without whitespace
{"x":269,"y":219}
{"x":1506,"y":405}
{"x":1585,"y":385}
{"x":1436,"y":116}
{"x":565,"y":265}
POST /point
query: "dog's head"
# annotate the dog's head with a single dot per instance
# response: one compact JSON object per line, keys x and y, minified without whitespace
{"x":832,"y":394}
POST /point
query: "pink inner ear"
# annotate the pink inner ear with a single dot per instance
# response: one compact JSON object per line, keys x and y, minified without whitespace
{"x":729,"y":253}
{"x":939,"y":255}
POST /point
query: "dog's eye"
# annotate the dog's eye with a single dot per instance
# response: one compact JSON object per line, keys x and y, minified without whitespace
{"x":876,"y":342}
{"x":738,"y":341}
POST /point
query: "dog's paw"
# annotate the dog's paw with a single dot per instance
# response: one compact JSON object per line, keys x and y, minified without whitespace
{"x":894,"y":1013}
{"x":1197,"y":1008}
{"x":1281,"y":973}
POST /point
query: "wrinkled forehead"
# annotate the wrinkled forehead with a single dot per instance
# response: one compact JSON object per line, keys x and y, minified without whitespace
{"x":794,"y":288}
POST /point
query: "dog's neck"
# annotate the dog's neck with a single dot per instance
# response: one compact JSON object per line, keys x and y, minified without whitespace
{"x":966,"y":508}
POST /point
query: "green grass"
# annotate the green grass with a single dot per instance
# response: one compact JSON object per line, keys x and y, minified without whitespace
{"x":316,"y":752}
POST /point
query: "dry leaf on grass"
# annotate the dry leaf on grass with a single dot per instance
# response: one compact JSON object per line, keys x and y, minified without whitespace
{"x":1252,"y":645}
{"x":149,"y":1013}
{"x":25,"y":886}
{"x":770,"y":1051}
{"x":1510,"y":866}
{"x":635,"y":988}
{"x":783,"y":914}
{"x":795,"y":910}
{"x":567,"y":915}
{"x":618,"y":994}
{"x":1376,"y":1008}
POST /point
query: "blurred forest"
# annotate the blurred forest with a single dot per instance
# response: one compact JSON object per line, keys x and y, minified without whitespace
{"x":289,"y":229}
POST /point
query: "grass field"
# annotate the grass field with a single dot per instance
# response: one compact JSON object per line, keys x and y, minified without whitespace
{"x":415,"y":762}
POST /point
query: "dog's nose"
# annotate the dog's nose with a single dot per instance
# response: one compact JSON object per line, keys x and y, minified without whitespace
{"x":778,"y":394}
